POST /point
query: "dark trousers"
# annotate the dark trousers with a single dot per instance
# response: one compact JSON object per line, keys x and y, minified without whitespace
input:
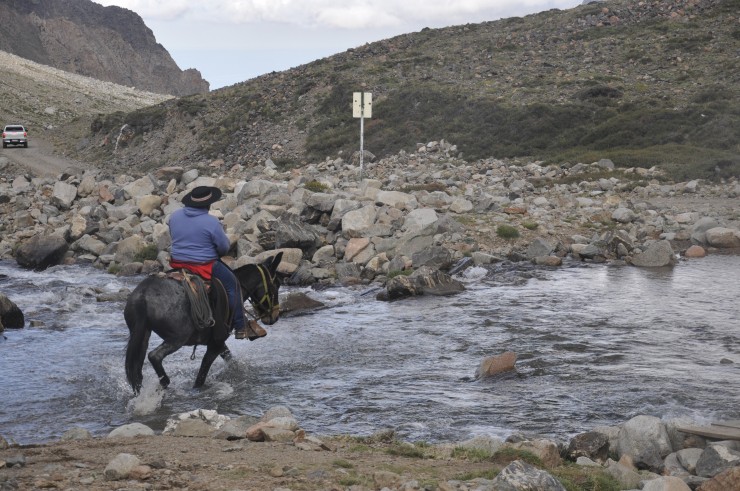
{"x":231,"y":284}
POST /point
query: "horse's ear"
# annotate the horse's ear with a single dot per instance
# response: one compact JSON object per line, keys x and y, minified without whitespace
{"x":275,"y":262}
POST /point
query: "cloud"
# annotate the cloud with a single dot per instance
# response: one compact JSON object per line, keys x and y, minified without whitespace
{"x":343,"y":14}
{"x":153,"y":9}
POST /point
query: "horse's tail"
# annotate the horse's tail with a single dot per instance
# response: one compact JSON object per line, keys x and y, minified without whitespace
{"x":138,"y":342}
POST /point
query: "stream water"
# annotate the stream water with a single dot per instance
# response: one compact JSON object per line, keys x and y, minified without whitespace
{"x":596,"y":345}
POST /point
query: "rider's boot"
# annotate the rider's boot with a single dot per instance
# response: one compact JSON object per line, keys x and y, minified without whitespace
{"x":251,"y":331}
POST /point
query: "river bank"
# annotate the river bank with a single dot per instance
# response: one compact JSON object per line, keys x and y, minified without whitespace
{"x":411,"y":210}
{"x":208,"y":451}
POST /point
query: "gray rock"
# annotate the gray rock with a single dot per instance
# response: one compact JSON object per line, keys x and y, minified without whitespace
{"x":666,"y":483}
{"x":539,"y":247}
{"x":121,"y":466}
{"x":688,"y":458}
{"x":645,"y":440}
{"x":715,"y":459}
{"x":436,"y":257}
{"x":41,"y":251}
{"x":423,"y":281}
{"x":76,"y":434}
{"x":592,"y":444}
{"x":723,"y":238}
{"x":658,"y":254}
{"x":623,"y":215}
{"x":420,"y":219}
{"x":322,"y":202}
{"x":11,"y":317}
{"x":627,"y":477}
{"x":63,"y":195}
{"x":355,"y":223}
{"x":131,"y":430}
{"x":347,"y":272}
{"x":128,"y":248}
{"x":396,"y":199}
{"x":699,"y":230}
{"x":520,"y":475}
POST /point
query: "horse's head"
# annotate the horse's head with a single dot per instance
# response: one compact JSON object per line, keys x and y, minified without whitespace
{"x":263,"y":294}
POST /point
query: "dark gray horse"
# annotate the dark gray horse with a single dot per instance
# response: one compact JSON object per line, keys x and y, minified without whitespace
{"x":160,"y":305}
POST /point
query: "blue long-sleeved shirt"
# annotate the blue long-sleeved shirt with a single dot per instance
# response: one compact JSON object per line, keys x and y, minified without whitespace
{"x":197,"y":237}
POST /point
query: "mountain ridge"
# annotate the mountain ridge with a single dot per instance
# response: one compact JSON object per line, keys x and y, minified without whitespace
{"x":108,"y":43}
{"x":640,"y":83}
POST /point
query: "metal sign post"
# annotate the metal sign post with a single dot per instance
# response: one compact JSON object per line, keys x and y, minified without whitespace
{"x":362,"y":107}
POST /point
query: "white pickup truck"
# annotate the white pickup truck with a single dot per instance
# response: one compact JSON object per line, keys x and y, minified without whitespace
{"x":15,"y":134}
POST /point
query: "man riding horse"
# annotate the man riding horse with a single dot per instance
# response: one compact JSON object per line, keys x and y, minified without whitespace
{"x":198,"y":241}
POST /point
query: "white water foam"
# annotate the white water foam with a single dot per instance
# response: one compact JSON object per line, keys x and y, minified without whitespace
{"x":149,"y":399}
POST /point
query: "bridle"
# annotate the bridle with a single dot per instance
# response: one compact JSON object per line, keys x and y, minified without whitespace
{"x":267,"y":307}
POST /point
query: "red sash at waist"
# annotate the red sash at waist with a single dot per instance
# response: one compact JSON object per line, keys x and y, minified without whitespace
{"x":204,"y":270}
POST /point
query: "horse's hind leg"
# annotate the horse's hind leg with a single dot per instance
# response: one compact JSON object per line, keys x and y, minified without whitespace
{"x":226,"y":353}
{"x":211,"y":353}
{"x":157,"y":355}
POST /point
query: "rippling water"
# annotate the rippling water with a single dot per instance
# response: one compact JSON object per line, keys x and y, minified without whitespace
{"x":596,"y":344}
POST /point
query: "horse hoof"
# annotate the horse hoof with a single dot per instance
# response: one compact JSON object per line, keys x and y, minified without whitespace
{"x":164,"y":381}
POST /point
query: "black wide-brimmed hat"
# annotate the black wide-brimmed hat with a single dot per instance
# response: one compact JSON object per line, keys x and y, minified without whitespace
{"x":202,"y":197}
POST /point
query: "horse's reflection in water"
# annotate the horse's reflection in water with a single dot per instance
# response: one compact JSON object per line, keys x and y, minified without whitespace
{"x":160,"y":305}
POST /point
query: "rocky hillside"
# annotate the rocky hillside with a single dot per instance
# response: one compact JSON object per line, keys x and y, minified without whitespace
{"x":107,"y":43}
{"x":641,"y":83}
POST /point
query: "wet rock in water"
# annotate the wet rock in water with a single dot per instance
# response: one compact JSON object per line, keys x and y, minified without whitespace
{"x":41,"y":251}
{"x":298,"y":303}
{"x":496,"y":364}
{"x":695,"y":251}
{"x":11,"y":317}
{"x":423,"y":281}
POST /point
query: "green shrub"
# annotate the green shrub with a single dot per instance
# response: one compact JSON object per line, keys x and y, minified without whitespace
{"x":471,"y":454}
{"x":530,"y":225}
{"x":148,"y":253}
{"x":507,"y":232}
{"x":316,"y":186}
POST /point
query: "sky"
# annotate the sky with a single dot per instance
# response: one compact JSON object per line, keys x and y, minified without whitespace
{"x":231,"y":41}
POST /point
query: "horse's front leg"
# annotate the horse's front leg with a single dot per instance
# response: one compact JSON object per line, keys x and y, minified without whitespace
{"x":226,"y":353}
{"x":157,"y":355}
{"x":211,"y":353}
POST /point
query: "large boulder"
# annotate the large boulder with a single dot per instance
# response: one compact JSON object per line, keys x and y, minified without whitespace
{"x":723,"y":238}
{"x":41,"y":251}
{"x":11,"y":316}
{"x":646,"y":441}
{"x":657,"y":254}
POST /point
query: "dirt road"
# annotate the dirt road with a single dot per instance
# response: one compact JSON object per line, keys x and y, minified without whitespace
{"x":38,"y":159}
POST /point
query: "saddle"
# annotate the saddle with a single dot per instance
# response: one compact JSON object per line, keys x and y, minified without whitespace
{"x":209,"y":302}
